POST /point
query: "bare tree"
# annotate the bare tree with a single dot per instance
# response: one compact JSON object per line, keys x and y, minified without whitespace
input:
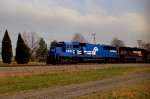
{"x":117,"y":42}
{"x":79,"y":38}
{"x":147,"y":46}
{"x":32,"y":40}
{"x":142,"y":44}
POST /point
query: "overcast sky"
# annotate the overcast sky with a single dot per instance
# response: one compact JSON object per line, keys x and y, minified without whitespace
{"x":61,"y":19}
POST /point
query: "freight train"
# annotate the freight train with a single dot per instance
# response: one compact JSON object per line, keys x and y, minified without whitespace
{"x":75,"y":52}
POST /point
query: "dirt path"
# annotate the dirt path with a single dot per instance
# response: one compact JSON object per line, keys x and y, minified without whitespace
{"x":70,"y":91}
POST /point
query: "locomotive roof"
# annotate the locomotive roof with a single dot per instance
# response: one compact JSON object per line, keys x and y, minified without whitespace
{"x":78,"y":43}
{"x":131,"y":48}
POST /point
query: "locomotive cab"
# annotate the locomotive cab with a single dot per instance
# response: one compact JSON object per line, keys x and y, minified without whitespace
{"x":54,"y":50}
{"x":68,"y":52}
{"x":61,"y":53}
{"x":61,"y":46}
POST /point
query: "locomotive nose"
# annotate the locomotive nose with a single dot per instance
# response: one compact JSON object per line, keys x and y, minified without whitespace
{"x":52,"y":50}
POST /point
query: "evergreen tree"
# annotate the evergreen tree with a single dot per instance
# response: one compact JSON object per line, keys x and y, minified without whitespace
{"x":54,"y":43}
{"x":6,"y":49}
{"x":42,"y":51}
{"x":22,"y":51}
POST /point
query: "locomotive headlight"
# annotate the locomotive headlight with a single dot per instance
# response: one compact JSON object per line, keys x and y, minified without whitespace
{"x":52,"y":50}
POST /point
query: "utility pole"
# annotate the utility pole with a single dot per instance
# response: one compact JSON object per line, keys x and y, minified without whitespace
{"x":139,"y":42}
{"x":94,"y":37}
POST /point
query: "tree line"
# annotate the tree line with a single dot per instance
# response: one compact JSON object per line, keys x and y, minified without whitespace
{"x":26,"y":51}
{"x":32,"y":48}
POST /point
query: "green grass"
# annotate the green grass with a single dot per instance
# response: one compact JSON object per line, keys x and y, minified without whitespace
{"x":140,"y":90}
{"x":38,"y":81}
{"x":33,"y":82}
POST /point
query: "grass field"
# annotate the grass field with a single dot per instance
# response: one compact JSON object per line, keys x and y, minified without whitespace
{"x":139,"y":90}
{"x":38,"y":81}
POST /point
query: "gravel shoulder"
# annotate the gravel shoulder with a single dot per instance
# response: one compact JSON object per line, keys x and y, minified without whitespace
{"x":30,"y":70}
{"x":74,"y":90}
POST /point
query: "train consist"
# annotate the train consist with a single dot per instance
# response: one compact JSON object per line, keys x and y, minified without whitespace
{"x":75,"y":52}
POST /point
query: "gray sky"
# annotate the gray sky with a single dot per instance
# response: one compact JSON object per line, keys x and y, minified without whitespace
{"x":61,"y":19}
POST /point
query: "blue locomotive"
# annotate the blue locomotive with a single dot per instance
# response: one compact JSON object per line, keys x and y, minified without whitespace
{"x":74,"y":52}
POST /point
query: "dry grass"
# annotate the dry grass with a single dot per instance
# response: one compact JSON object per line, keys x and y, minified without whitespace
{"x":42,"y":69}
{"x":15,"y":64}
{"x":34,"y":82}
{"x":140,"y":90}
{"x":81,"y":72}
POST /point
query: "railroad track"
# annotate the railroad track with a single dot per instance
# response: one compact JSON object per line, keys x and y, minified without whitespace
{"x":34,"y":65}
{"x":18,"y":70}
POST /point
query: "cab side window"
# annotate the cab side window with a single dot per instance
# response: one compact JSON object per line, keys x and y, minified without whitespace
{"x":68,"y":46}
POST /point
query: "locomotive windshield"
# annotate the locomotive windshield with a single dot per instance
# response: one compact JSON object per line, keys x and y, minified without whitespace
{"x":60,"y":44}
